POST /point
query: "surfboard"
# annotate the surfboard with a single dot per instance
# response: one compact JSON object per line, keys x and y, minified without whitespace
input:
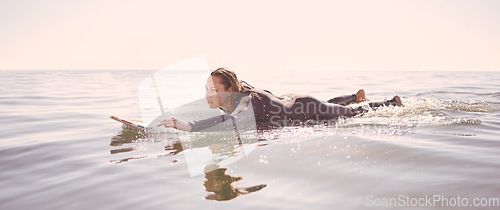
{"x":137,"y":124}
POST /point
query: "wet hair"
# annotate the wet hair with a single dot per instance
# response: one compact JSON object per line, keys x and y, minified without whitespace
{"x":230,"y":80}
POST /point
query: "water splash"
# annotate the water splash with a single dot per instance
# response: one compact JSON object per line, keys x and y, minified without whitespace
{"x":416,"y":113}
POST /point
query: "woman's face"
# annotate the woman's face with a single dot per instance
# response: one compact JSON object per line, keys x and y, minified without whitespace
{"x":215,"y":92}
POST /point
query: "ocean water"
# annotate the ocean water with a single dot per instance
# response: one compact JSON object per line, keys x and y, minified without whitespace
{"x":60,"y":150}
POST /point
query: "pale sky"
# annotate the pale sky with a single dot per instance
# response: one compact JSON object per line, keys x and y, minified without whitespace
{"x":252,"y":36}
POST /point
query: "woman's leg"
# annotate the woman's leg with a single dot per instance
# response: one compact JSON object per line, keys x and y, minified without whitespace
{"x":343,"y":100}
{"x":395,"y":101}
{"x":349,"y":99}
{"x":307,"y":107}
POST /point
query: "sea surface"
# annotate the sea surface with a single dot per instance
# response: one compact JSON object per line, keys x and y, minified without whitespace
{"x":60,"y":150}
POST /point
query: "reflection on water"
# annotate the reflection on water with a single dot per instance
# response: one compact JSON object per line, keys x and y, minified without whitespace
{"x":209,"y":151}
{"x":130,"y":136}
{"x":221,"y":186}
{"x":126,"y":136}
{"x":174,"y":149}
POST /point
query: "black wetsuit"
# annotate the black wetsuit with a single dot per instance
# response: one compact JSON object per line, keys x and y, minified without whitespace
{"x":292,"y":109}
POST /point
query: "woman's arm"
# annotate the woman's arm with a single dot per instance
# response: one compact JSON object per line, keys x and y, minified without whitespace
{"x":175,"y":123}
{"x":195,"y":125}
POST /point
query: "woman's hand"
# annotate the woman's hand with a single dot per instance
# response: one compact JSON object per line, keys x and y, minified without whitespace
{"x":175,"y":123}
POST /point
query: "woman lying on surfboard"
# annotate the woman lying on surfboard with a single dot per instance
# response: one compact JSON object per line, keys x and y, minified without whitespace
{"x":225,"y":91}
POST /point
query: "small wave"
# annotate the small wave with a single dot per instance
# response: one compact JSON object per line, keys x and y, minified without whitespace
{"x":465,"y":121}
{"x":468,"y":106}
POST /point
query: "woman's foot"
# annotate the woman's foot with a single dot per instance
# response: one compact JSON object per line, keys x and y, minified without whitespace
{"x":397,"y":100}
{"x":360,"y":96}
